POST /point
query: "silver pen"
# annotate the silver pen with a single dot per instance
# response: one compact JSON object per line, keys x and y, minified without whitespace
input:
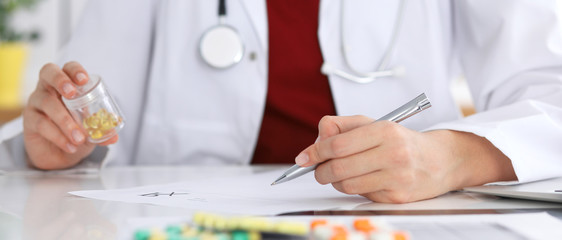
{"x":407,"y":110}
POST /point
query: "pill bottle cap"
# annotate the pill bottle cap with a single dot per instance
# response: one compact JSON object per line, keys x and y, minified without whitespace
{"x":85,"y":94}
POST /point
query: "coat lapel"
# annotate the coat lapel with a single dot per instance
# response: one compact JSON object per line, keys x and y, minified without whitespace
{"x":256,"y":10}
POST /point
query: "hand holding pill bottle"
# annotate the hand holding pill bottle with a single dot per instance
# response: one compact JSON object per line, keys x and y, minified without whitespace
{"x":69,"y":113}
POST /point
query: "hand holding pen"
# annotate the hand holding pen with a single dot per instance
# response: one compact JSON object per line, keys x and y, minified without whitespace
{"x":407,"y":110}
{"x":386,"y":162}
{"x":380,"y":160}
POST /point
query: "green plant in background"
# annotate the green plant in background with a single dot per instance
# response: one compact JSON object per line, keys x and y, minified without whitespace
{"x":13,"y":53}
{"x":8,"y":33}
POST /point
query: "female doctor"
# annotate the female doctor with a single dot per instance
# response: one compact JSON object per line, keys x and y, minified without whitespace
{"x":262,"y":104}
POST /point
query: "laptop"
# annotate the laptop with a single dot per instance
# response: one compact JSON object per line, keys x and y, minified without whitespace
{"x":549,"y":190}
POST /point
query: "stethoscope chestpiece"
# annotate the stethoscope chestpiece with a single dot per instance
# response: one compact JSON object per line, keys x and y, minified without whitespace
{"x":221,"y":46}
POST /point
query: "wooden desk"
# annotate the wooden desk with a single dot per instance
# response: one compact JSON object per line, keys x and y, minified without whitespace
{"x":468,"y":110}
{"x":8,"y":114}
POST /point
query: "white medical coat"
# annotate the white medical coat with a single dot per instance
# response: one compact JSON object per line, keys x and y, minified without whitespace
{"x":179,"y":110}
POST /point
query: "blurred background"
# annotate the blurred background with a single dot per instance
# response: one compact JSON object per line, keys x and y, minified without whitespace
{"x":32,"y":32}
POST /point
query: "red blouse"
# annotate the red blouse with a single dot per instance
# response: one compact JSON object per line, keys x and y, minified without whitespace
{"x":298,"y":94}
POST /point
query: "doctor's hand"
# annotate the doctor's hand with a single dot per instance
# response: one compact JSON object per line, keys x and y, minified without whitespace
{"x":53,"y":140}
{"x":386,"y":162}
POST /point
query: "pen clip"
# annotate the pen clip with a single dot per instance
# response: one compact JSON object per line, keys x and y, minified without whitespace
{"x":407,"y":110}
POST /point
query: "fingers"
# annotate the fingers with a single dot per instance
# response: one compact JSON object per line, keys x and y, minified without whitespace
{"x":333,"y":125}
{"x":76,"y":72}
{"x":330,"y":126}
{"x":110,"y":141}
{"x":43,"y":126}
{"x":391,"y":196}
{"x":345,"y":144}
{"x":367,"y":183}
{"x":52,"y":77}
{"x":340,"y":169}
{"x":46,"y":99}
{"x":52,"y":138}
{"x":387,"y":196}
{"x":55,"y":110}
{"x":381,"y":186}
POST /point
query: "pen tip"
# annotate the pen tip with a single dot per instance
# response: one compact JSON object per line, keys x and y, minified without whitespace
{"x":273,"y":183}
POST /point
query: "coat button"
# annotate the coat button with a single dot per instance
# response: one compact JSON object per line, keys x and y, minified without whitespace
{"x":253,"y":56}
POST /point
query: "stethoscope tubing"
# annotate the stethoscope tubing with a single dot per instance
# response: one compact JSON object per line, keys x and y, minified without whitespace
{"x":215,"y":60}
{"x":382,"y":70}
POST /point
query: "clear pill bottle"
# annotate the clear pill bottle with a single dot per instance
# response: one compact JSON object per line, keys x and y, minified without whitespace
{"x":95,"y":110}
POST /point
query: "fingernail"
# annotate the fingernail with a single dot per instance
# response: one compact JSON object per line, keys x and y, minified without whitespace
{"x":67,"y":88}
{"x":301,"y":159}
{"x":77,"y":135}
{"x":81,"y":77}
{"x":71,"y":148}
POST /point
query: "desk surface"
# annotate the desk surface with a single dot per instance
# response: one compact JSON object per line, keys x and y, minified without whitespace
{"x":36,"y":204}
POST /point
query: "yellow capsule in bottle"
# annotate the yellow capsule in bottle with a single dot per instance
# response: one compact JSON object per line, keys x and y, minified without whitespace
{"x":93,"y":121}
{"x":95,"y":134}
{"x":114,"y":122}
{"x":104,"y":114}
{"x":85,"y":123}
{"x":105,"y":124}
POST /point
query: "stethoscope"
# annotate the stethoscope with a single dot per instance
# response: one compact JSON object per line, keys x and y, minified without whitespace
{"x":221,"y":47}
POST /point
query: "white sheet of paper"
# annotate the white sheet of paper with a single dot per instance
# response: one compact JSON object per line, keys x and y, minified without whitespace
{"x":251,"y":194}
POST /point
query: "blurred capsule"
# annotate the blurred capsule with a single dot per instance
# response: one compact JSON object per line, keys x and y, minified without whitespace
{"x":95,"y":134}
{"x":295,"y":228}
